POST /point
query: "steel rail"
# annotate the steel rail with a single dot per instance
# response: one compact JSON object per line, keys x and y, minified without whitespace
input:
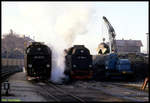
{"x":48,"y":93}
{"x":64,"y":92}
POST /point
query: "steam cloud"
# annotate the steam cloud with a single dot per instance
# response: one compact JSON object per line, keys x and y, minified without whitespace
{"x":58,"y":64}
{"x":72,"y":23}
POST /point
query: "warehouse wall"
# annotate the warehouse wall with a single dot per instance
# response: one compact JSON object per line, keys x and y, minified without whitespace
{"x":12,"y":62}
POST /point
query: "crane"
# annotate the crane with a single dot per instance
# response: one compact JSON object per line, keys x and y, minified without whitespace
{"x":112,"y":35}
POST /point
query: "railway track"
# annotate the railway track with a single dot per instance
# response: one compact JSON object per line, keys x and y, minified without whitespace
{"x":56,"y":93}
{"x":5,"y":73}
{"x":118,"y":91}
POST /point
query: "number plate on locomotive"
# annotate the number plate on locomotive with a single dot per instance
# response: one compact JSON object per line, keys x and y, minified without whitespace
{"x":81,"y":57}
{"x":38,"y":57}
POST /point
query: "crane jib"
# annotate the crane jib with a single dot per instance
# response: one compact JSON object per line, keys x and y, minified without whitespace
{"x":112,"y":34}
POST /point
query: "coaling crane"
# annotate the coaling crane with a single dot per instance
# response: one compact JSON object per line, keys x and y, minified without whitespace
{"x":112,"y":35}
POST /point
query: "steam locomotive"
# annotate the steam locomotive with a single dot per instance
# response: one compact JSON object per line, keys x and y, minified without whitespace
{"x":38,"y":61}
{"x":78,"y":62}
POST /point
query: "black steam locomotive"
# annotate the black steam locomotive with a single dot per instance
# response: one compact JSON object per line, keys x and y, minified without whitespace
{"x":78,"y":62}
{"x":38,"y":61}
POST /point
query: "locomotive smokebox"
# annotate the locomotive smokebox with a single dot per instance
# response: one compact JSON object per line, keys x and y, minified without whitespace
{"x":78,"y":62}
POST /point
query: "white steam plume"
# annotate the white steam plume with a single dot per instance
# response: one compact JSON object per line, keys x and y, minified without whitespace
{"x":72,"y":23}
{"x":58,"y":60}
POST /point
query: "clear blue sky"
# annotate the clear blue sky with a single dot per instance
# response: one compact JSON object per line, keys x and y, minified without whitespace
{"x":129,"y":19}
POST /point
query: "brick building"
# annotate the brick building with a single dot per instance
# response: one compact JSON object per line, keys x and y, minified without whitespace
{"x":129,"y":46}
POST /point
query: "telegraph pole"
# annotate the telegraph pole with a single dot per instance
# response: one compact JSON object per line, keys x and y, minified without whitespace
{"x":147,"y":43}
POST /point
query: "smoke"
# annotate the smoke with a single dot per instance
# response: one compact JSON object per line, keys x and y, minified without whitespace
{"x":72,"y":23}
{"x":58,"y":28}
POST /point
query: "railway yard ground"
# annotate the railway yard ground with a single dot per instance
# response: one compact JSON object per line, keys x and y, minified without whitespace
{"x":78,"y":91}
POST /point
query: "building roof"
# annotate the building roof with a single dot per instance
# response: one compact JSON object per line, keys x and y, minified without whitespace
{"x":129,"y":43}
{"x":28,"y":39}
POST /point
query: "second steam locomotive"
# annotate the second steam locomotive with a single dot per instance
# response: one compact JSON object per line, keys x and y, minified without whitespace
{"x":78,"y":62}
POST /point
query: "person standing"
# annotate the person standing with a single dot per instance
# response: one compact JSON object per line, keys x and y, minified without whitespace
{"x":104,"y":49}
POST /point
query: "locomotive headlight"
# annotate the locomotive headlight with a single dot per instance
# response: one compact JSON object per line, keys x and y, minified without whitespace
{"x":39,"y":49}
{"x":47,"y":65}
{"x":74,"y":66}
{"x":90,"y":66}
{"x":29,"y":65}
{"x":82,"y":51}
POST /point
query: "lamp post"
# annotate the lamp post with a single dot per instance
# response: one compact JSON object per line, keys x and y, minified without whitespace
{"x":147,"y":43}
{"x":6,"y":87}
